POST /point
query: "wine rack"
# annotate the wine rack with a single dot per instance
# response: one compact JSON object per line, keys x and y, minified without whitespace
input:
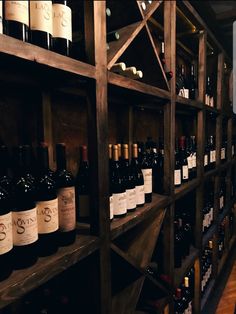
{"x":84,"y":102}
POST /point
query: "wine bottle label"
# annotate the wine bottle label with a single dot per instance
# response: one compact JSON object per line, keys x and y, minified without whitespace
{"x":84,"y":208}
{"x":185,"y":172}
{"x":62,"y":21}
{"x":48,"y":219}
{"x":177,"y":177}
{"x":222,"y":153}
{"x":41,"y":16}
{"x":211,"y":214}
{"x":186,"y":93}
{"x":119,"y":201}
{"x":190,"y":162}
{"x":1,"y":20}
{"x":111,"y":207}
{"x":205,"y":160}
{"x":212,"y":156}
{"x":17,"y":11}
{"x":194,"y":160}
{"x":147,"y":176}
{"x":25,"y":228}
{"x":221,"y":202}
{"x":66,"y":209}
{"x":131,"y":199}
{"x":6,"y":238}
{"x":207,"y":100}
{"x":211,"y":101}
{"x":140,"y":197}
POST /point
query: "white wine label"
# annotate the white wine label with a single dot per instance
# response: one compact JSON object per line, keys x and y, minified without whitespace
{"x":207,"y":100}
{"x":190,"y":162}
{"x":66,"y":209}
{"x":140,"y":197}
{"x":111,"y":207}
{"x":205,"y":160}
{"x":221,"y":202}
{"x":186,"y":93}
{"x":131,"y":199}
{"x":211,"y":214}
{"x":62,"y":21}
{"x":177,"y":178}
{"x":17,"y":11}
{"x":84,"y":209}
{"x":194,"y":160}
{"x":185,"y":172}
{"x":147,"y":176}
{"x":1,"y":20}
{"x":41,"y":16}
{"x":47,"y":213}
{"x":212,"y":156}
{"x":211,"y":102}
{"x":222,"y":153}
{"x":119,"y":201}
{"x":6,"y":238}
{"x":25,"y":228}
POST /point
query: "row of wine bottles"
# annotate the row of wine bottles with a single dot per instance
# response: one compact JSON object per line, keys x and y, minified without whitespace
{"x":206,"y":267}
{"x":184,"y":294}
{"x":37,"y":205}
{"x":47,"y":24}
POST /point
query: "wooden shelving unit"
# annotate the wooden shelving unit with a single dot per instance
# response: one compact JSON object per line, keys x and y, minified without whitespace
{"x":92,"y":89}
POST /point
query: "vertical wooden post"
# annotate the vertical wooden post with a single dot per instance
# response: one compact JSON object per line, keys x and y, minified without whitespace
{"x":98,"y":143}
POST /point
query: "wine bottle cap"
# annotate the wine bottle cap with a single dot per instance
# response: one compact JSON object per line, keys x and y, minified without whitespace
{"x":210,"y":244}
{"x":133,"y":70}
{"x":108,"y":12}
{"x":186,"y":282}
{"x":143,"y":5}
{"x":139,"y":74}
{"x":119,"y":150}
{"x":125,"y":151}
{"x":115,"y":152}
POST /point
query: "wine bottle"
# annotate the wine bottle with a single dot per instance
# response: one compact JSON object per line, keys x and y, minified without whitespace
{"x":184,"y":90}
{"x":178,"y":302}
{"x":222,"y":195}
{"x":128,"y":179}
{"x":66,"y":198}
{"x":206,"y":160}
{"x":41,"y":26}
{"x":62,"y":27}
{"x":119,"y":153}
{"x":183,"y":160}
{"x":5,"y":180}
{"x":146,"y":167}
{"x":118,"y":187}
{"x":178,"y":239}
{"x":111,"y":206}
{"x":212,"y":159}
{"x":113,"y":36}
{"x":24,"y":214}
{"x":209,"y":100}
{"x":1,"y":18}
{"x":82,"y":187}
{"x":138,"y":175}
{"x":16,"y":19}
{"x":118,"y":67}
{"x":177,"y":171}
{"x":223,"y":149}
{"x":192,"y":83}
{"x":194,"y":156}
{"x":187,"y":295}
{"x":47,"y":205}
{"x":6,"y":239}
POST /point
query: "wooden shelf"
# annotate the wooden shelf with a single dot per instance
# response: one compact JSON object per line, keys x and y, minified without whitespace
{"x":226,"y":210}
{"x":121,"y":225}
{"x":207,"y":293}
{"x":186,"y":188}
{"x":22,"y":281}
{"x":187,"y":263}
{"x":36,"y":55}
{"x":211,"y":110}
{"x":210,"y":173}
{"x":209,"y":234}
{"x":189,"y":103}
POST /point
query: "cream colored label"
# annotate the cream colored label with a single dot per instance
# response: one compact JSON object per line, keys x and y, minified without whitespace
{"x":17,"y":11}
{"x":194,"y":160}
{"x":119,"y":201}
{"x":6,"y":238}
{"x":1,"y":28}
{"x":84,"y":206}
{"x":190,"y":162}
{"x":147,"y":176}
{"x":47,"y":213}
{"x":66,"y":209}
{"x":131,"y":199}
{"x":205,"y":160}
{"x":62,"y":21}
{"x":140,"y":197}
{"x":185,"y":172}
{"x":222,"y":153}
{"x":177,"y":177}
{"x":111,"y":207}
{"x":41,"y":16}
{"x":221,"y":202}
{"x":25,"y":229}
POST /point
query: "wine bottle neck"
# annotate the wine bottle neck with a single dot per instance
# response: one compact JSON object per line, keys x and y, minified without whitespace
{"x":61,"y":156}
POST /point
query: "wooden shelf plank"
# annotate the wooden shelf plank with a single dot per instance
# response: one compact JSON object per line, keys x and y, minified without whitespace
{"x":207,"y":293}
{"x":186,"y":188}
{"x":209,"y":234}
{"x":189,"y":103}
{"x":129,"y":84}
{"x":23,"y":281}
{"x":121,"y":225}
{"x":37,"y":55}
{"x":187,"y":263}
{"x":211,"y":110}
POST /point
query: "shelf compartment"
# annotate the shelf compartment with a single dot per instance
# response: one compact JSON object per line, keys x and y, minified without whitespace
{"x":187,"y":263}
{"x":207,"y":293}
{"x":37,"y":55}
{"x":23,"y":281}
{"x":121,"y":225}
{"x":186,"y":188}
{"x":209,"y":234}
{"x":129,"y":84}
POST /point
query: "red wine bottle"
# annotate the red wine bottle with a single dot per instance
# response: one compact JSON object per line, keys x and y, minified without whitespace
{"x":5,"y":180}
{"x":47,"y":205}
{"x":16,"y":19}
{"x":41,"y":23}
{"x":82,"y":187}
{"x":6,"y":239}
{"x":111,"y":207}
{"x":177,"y":171}
{"x":66,"y":198}
{"x":62,"y":27}
{"x":24,"y":214}
{"x":147,"y":176}
{"x":183,"y":160}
